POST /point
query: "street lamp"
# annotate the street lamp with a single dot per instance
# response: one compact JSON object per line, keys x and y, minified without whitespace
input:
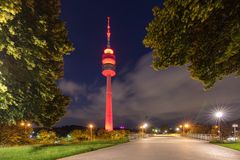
{"x":145,"y":125}
{"x":142,"y":127}
{"x":22,"y":124}
{"x":177,"y":129}
{"x":91,"y":133}
{"x":186,"y":125}
{"x":25,"y":124}
{"x":219,"y":115}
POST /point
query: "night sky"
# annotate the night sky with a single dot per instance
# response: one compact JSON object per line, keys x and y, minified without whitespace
{"x":139,"y":93}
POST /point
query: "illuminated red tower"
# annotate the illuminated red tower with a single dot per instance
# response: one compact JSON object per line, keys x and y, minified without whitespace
{"x":108,"y":70}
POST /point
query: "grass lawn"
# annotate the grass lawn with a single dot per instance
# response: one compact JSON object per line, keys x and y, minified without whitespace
{"x":235,"y":146}
{"x":41,"y":152}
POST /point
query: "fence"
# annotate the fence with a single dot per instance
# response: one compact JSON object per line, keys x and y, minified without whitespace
{"x":207,"y":137}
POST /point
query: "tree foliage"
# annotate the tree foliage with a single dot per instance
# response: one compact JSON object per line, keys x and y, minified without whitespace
{"x":203,"y":35}
{"x":8,"y":9}
{"x":33,"y":41}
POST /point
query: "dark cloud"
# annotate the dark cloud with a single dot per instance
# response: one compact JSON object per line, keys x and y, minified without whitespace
{"x":158,"y":97}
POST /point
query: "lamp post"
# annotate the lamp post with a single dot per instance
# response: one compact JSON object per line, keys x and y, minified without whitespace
{"x":186,"y":126}
{"x":91,"y":133}
{"x":143,"y":127}
{"x":219,"y":116}
{"x":181,"y":126}
{"x":25,"y":125}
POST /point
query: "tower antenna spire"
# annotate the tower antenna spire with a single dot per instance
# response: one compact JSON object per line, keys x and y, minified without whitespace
{"x":108,"y":33}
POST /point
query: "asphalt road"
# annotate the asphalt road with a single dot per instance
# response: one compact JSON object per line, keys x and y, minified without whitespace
{"x":161,"y":148}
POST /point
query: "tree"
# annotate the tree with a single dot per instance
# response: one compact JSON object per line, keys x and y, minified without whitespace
{"x":32,"y":45}
{"x":203,"y":35}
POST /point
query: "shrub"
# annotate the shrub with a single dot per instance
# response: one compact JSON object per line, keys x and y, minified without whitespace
{"x":47,"y":137}
{"x":80,"y":135}
{"x":118,"y":134}
{"x":103,"y":134}
{"x":114,"y":135}
{"x":216,"y":140}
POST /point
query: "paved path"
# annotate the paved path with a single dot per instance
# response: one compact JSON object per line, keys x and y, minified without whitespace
{"x":161,"y":148}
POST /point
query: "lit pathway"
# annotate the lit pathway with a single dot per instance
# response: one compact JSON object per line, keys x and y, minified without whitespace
{"x":161,"y":148}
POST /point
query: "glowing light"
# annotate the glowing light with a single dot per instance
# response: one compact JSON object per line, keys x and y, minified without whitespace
{"x":122,"y":127}
{"x":91,"y":126}
{"x":25,"y":124}
{"x":219,"y":114}
{"x":108,"y":60}
{"x":186,"y":125}
{"x":145,"y":125}
{"x":108,"y":73}
{"x":180,"y":126}
{"x":108,"y":51}
{"x":177,"y":129}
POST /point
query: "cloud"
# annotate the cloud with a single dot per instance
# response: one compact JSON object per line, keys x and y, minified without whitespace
{"x":143,"y":94}
{"x":71,"y":88}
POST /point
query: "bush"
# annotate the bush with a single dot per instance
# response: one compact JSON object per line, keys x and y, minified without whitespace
{"x":216,"y":140}
{"x":103,"y":134}
{"x":47,"y":137}
{"x":15,"y":135}
{"x":113,"y":135}
{"x":118,"y":134}
{"x":80,"y":135}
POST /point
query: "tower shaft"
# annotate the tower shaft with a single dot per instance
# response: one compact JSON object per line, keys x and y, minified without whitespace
{"x":108,"y":118}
